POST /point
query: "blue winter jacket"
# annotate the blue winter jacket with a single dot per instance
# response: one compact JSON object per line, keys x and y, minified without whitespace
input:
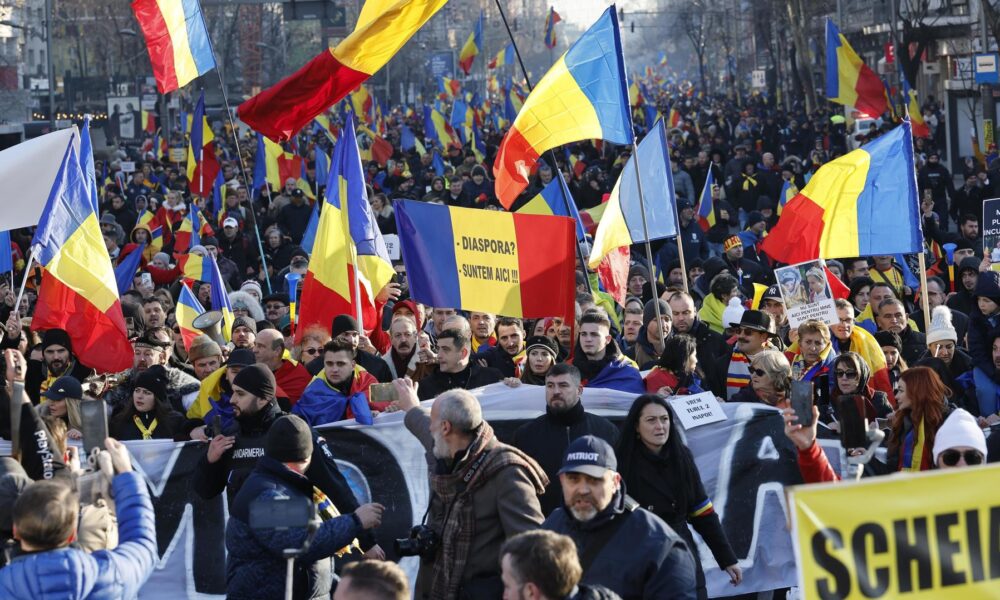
{"x":255,"y":568}
{"x":70,"y":573}
{"x":644,"y":560}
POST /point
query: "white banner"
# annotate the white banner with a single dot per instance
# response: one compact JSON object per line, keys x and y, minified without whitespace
{"x":745,"y":463}
{"x":30,"y":168}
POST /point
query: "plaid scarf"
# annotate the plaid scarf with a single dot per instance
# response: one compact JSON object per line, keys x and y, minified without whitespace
{"x":326,"y":511}
{"x":485,"y":458}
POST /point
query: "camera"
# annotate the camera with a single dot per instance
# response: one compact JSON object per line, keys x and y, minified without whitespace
{"x":423,"y":542}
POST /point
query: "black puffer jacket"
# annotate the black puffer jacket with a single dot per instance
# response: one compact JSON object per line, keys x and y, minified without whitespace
{"x":546,"y":438}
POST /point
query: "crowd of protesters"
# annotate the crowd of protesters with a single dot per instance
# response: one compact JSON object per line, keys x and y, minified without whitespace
{"x":572,"y":505}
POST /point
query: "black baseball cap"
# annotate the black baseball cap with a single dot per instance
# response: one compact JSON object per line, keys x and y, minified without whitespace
{"x":64,"y":387}
{"x":589,"y":455}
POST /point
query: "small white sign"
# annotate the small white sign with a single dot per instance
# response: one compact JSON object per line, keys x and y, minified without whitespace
{"x":759,"y":78}
{"x":699,"y":409}
{"x":392,"y":245}
{"x":128,"y":166}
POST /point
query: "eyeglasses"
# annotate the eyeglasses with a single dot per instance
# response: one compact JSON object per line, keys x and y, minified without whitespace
{"x":758,"y":372}
{"x":847,"y":374}
{"x":972,"y":457}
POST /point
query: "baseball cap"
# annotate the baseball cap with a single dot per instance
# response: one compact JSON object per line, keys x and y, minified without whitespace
{"x":64,"y":387}
{"x":589,"y":455}
{"x":230,"y":222}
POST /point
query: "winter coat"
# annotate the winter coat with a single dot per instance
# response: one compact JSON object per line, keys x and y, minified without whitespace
{"x":372,"y":363}
{"x":645,"y":559}
{"x":471,"y":377}
{"x":499,"y":359}
{"x":322,"y":403}
{"x":179,"y":385}
{"x":69,"y":573}
{"x":255,"y":567}
{"x":546,"y":438}
{"x":503,"y":505}
{"x":671,"y":488}
{"x":982,"y":330}
{"x":170,"y":427}
{"x":230,"y":472}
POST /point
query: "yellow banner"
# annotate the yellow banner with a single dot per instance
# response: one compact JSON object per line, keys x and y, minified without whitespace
{"x":487,"y":260}
{"x":933,"y":535}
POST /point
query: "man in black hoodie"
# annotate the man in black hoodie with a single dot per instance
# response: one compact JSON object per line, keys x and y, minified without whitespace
{"x":454,"y":369}
{"x":545,"y":438}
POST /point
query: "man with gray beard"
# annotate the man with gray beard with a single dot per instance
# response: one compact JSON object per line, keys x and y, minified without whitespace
{"x":482,"y":493}
{"x":622,"y":547}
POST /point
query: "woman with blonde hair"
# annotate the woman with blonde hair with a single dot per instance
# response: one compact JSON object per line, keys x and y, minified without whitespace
{"x":770,"y":379}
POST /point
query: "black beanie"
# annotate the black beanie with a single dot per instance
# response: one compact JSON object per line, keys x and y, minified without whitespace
{"x":343,"y":324}
{"x":56,"y":337}
{"x":888,"y":338}
{"x":256,"y":379}
{"x":154,"y":379}
{"x":289,"y":440}
{"x":649,"y":311}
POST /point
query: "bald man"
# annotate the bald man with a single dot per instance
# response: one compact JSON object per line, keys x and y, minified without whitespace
{"x":291,"y":377}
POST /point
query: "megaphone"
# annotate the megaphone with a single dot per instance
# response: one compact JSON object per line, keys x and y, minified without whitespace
{"x":210,"y":323}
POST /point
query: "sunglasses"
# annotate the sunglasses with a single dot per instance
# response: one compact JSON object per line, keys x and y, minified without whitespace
{"x":758,"y":372}
{"x":972,"y":457}
{"x":311,"y":351}
{"x":848,"y":374}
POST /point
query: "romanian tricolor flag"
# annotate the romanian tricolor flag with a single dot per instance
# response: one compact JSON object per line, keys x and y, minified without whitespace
{"x":361,"y":101}
{"x":673,"y":118}
{"x":920,"y":128}
{"x":265,"y":164}
{"x":472,"y":46}
{"x":154,"y":224}
{"x":347,"y":236}
{"x":504,"y":57}
{"x":78,"y":292}
{"x":148,"y":122}
{"x":706,"y":204}
{"x":188,"y":308}
{"x":622,"y":223}
{"x":788,"y":191}
{"x":202,"y":165}
{"x":583,"y":96}
{"x":862,"y":204}
{"x":512,"y":264}
{"x":175,"y":32}
{"x":192,"y":227}
{"x":125,"y":271}
{"x":437,"y":128}
{"x":219,"y":297}
{"x":194,"y":266}
{"x":383,"y":27}
{"x":550,"y":28}
{"x":849,"y":81}
{"x":635,"y":95}
{"x":555,"y":200}
{"x":449,"y":87}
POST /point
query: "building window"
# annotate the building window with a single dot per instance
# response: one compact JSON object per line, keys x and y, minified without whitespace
{"x":31,"y":57}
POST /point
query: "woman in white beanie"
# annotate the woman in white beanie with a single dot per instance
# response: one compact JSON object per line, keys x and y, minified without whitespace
{"x":959,"y":442}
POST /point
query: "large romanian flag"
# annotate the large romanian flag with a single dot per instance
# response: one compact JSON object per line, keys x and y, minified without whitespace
{"x":78,"y":293}
{"x":473,"y":46}
{"x":622,"y":224}
{"x":513,"y":264}
{"x":583,"y":96}
{"x":861,"y":204}
{"x":347,"y":235}
{"x":383,"y":27}
{"x":849,"y":81}
{"x":175,"y":32}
